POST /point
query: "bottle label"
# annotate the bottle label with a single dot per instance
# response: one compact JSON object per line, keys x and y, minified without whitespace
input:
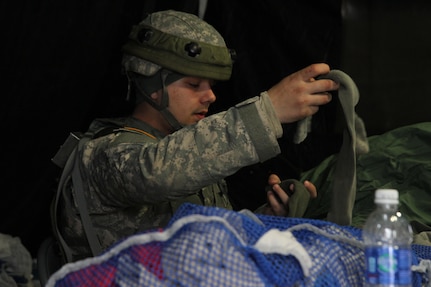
{"x":388,"y":265}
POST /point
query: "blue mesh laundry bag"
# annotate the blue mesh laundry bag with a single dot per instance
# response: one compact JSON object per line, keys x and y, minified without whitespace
{"x":207,"y":246}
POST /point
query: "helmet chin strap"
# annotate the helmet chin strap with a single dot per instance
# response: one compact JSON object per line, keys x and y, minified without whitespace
{"x":164,"y":103}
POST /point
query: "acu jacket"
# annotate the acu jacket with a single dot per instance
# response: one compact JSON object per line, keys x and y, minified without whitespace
{"x":134,"y":178}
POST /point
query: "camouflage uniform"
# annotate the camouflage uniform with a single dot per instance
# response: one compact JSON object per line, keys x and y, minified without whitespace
{"x":135,"y":177}
{"x":135,"y":182}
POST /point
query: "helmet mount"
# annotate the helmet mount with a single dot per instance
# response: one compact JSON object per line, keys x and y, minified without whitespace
{"x":193,"y":49}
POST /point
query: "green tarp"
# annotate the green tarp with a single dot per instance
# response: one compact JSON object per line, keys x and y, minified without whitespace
{"x":399,"y":159}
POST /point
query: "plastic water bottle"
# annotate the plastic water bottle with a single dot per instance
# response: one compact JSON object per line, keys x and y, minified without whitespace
{"x":387,"y":237}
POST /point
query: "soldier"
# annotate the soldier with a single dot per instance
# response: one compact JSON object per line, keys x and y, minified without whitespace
{"x":168,"y":152}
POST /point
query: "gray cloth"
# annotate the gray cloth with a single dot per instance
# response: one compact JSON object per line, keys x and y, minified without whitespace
{"x":15,"y":263}
{"x":354,"y":143}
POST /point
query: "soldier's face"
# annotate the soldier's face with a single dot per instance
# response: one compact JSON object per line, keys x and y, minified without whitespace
{"x":190,"y":98}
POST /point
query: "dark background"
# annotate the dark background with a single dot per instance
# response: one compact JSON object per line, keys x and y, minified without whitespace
{"x":60,"y":68}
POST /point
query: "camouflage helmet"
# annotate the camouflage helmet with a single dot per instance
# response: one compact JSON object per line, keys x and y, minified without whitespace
{"x":180,"y":42}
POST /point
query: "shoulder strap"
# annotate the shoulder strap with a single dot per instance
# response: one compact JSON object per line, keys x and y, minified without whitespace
{"x":93,"y":241}
{"x":66,"y":159}
{"x":68,"y":166}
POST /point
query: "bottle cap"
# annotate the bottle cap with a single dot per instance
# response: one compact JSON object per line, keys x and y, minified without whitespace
{"x":386,"y":196}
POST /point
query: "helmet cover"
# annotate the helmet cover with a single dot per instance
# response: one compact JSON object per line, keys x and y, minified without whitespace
{"x":180,"y":42}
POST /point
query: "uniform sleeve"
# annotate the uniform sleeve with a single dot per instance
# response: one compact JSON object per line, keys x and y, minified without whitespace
{"x":187,"y":160}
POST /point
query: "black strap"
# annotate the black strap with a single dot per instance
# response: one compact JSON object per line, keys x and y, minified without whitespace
{"x":54,"y":208}
{"x":93,"y":241}
{"x":72,"y":168}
